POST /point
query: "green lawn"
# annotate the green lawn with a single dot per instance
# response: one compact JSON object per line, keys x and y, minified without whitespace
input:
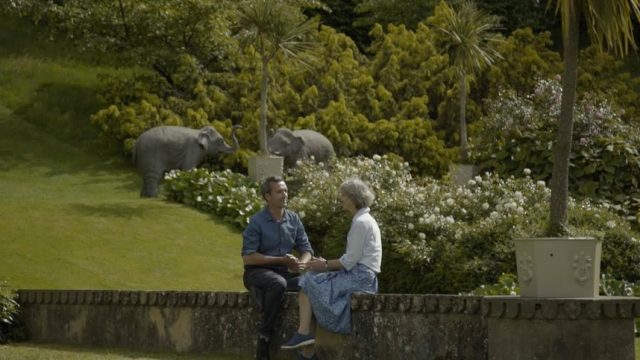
{"x":71,"y":219}
{"x":57,"y":352}
{"x":70,"y":214}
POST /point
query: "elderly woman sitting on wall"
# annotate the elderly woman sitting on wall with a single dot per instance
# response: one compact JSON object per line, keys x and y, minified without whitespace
{"x":326,"y":290}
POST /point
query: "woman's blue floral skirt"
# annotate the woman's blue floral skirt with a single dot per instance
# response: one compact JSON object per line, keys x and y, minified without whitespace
{"x":330,"y":294}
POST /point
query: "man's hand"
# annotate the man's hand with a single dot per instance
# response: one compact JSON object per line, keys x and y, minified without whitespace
{"x":291,"y":262}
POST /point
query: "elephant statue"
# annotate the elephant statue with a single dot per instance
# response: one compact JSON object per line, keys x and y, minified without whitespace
{"x":164,"y":148}
{"x":299,"y":145}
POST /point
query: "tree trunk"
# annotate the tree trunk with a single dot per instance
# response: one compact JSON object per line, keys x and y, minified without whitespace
{"x":562,"y":146}
{"x":463,"y":118}
{"x":264,"y":86}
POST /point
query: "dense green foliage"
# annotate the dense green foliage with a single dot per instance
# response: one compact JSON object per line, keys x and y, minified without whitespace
{"x":518,"y":132}
{"x":397,"y":98}
{"x":400,"y":96}
{"x":609,"y":24}
{"x":228,"y":195}
{"x":440,"y":238}
{"x":470,"y":40}
{"x":437,"y":237}
{"x":9,"y":309}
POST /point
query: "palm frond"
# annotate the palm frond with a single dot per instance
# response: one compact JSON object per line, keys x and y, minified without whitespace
{"x":471,"y":37}
{"x":274,"y":25}
{"x":609,"y":23}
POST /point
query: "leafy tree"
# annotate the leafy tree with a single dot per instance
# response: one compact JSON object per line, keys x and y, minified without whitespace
{"x":525,"y":58}
{"x":519,"y":14}
{"x":275,"y":28}
{"x":610,"y":23}
{"x":601,"y":73}
{"x":407,"y":66}
{"x":397,"y":12}
{"x":470,"y":41}
{"x":152,"y":34}
{"x":340,"y":15}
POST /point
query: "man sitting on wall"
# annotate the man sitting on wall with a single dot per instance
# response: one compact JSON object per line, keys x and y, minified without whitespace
{"x":270,"y":268}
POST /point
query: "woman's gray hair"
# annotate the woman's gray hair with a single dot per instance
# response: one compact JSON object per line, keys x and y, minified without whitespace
{"x":358,"y":192}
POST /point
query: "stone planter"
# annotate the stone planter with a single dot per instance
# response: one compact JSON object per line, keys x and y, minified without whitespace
{"x":558,"y":267}
{"x":262,"y":166}
{"x":462,"y":173}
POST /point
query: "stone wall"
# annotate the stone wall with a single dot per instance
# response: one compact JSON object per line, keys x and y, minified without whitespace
{"x":385,"y":326}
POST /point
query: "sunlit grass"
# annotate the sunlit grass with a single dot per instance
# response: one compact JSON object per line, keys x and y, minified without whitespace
{"x":73,"y":220}
{"x":70,"y":214}
{"x":58,"y":352}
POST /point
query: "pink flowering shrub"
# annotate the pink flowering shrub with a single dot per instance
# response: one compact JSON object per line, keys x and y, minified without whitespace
{"x":518,"y":132}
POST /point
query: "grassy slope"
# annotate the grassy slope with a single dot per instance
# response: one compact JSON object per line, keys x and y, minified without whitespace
{"x":70,"y":216}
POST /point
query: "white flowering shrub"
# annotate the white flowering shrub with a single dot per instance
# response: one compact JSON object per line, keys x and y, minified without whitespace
{"x":437,"y":237}
{"x":519,"y":130}
{"x":231,"y":196}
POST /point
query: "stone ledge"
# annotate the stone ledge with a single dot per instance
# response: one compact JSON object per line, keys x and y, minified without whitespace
{"x":385,"y":326}
{"x":417,"y":303}
{"x":137,"y":298}
{"x":514,"y":307}
{"x":511,"y":307}
{"x":363,"y":302}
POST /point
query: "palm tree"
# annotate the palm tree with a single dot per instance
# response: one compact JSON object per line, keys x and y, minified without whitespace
{"x":275,"y":28}
{"x":608,"y":22}
{"x":470,"y":42}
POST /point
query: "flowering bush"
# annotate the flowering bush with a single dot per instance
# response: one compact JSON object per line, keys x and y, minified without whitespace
{"x":437,"y":237}
{"x":508,"y":285}
{"x":441,"y":238}
{"x":518,"y":132}
{"x":229,"y":195}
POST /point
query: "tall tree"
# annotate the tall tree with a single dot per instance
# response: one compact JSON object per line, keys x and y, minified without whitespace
{"x":153,"y":34}
{"x":470,"y":40}
{"x":609,"y":23}
{"x":275,"y":28}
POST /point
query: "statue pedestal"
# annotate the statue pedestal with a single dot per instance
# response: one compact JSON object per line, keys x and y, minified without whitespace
{"x":263,"y":166}
{"x":561,"y":328}
{"x":462,"y":173}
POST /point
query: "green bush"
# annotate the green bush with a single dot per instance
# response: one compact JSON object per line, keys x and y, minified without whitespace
{"x":9,"y":310}
{"x":525,"y":58}
{"x":508,"y":285}
{"x":518,"y":133}
{"x":437,"y":237}
{"x":602,"y":74}
{"x":232,"y":196}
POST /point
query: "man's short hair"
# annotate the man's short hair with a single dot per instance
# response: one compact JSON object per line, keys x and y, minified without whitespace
{"x":265,"y":187}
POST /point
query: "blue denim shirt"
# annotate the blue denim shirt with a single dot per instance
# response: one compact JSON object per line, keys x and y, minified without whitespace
{"x":269,"y":237}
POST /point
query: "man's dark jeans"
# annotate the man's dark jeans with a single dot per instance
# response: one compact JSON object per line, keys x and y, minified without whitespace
{"x":273,"y":282}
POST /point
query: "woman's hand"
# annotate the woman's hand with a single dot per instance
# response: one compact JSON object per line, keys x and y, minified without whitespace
{"x":318,"y":264}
